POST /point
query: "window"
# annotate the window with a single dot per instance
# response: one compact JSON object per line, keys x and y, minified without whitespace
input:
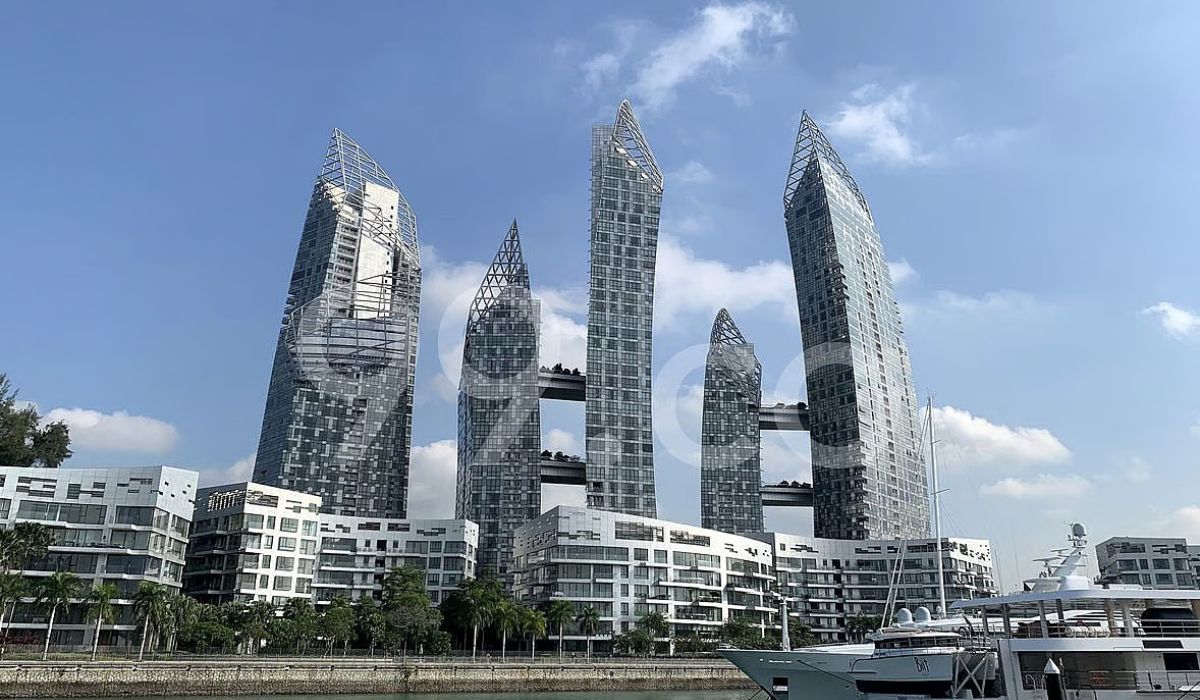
{"x":289,"y":524}
{"x":283,"y":583}
{"x":287,"y":544}
{"x":284,"y":563}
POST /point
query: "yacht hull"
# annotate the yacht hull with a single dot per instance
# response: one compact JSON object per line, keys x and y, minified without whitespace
{"x":811,"y":673}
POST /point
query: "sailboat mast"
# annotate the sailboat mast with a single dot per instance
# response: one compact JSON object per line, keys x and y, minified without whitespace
{"x":937,"y":511}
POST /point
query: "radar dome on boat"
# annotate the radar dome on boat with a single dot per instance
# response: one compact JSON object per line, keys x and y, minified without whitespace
{"x":923,"y":616}
{"x":1078,"y":530}
{"x":904,"y":616}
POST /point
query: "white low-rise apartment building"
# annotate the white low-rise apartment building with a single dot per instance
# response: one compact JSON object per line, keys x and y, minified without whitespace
{"x":1157,"y":563}
{"x":829,"y":582}
{"x":626,"y":566}
{"x":119,"y":526}
{"x":258,"y":542}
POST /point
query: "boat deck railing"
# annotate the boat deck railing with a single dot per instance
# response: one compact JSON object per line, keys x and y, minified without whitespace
{"x":1172,"y":681}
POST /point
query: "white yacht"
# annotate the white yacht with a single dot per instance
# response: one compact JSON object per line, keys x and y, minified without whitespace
{"x":1061,"y":638}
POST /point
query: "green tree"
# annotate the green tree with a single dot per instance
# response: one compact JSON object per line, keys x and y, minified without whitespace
{"x":507,"y":620}
{"x":370,"y":621}
{"x":862,"y":624}
{"x":255,"y":619}
{"x":636,"y":642}
{"x":407,"y":608}
{"x":54,"y":593}
{"x":181,"y":610}
{"x":22,"y":543}
{"x":559,"y":613}
{"x":533,"y":623}
{"x":152,"y":607}
{"x":437,"y":643}
{"x":588,"y":621}
{"x":337,"y":623}
{"x":739,"y":633}
{"x":303,"y":617}
{"x":655,"y":624}
{"x":477,"y":606}
{"x":208,"y":628}
{"x":12,"y":589}
{"x":101,"y":609}
{"x":24,"y":442}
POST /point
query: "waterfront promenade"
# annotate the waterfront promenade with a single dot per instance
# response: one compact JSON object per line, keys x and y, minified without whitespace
{"x":306,"y":675}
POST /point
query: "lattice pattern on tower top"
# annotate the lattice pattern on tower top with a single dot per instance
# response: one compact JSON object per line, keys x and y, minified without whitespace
{"x":508,"y":269}
{"x":347,"y":169}
{"x":627,"y":135}
{"x":725,"y":331}
{"x":812,"y":144}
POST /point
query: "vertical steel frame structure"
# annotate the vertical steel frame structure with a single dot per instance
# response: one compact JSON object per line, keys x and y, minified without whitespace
{"x":499,"y":419}
{"x":869,"y":480}
{"x":339,"y":406}
{"x":626,"y":191}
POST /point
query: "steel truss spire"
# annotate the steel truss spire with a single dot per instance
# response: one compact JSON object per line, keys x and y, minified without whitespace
{"x":811,"y":145}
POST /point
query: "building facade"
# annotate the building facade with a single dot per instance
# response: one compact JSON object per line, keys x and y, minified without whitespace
{"x":869,"y":479}
{"x":730,"y":461}
{"x":626,"y":193}
{"x":118,"y":526}
{"x":258,"y":542}
{"x":627,"y":566}
{"x":499,"y":418}
{"x":829,"y":582}
{"x":338,"y":417}
{"x":1156,"y":563}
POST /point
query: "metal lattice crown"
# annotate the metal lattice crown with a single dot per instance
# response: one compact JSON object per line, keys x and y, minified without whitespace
{"x":627,"y":134}
{"x":725,"y":331}
{"x":508,"y":270}
{"x":348,"y":167}
{"x":811,"y":145}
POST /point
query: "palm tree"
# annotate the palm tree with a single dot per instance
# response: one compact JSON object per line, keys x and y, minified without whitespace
{"x":101,"y":608}
{"x":181,"y":610}
{"x":559,"y":613}
{"x":54,"y":592}
{"x":655,"y":623}
{"x":255,"y":618}
{"x":24,"y":541}
{"x":152,"y":607}
{"x":588,"y":620}
{"x":481,"y":599}
{"x":507,"y":618}
{"x":533,"y":623}
{"x":12,"y":589}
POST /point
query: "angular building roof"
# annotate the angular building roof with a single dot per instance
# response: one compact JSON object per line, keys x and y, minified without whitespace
{"x":508,"y":269}
{"x":811,"y":145}
{"x":627,"y":134}
{"x":725,"y":331}
{"x":348,"y":167}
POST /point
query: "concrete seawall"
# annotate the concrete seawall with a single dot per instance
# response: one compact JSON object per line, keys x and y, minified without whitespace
{"x":262,"y":677}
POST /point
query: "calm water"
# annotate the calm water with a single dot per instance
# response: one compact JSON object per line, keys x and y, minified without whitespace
{"x":646,"y":695}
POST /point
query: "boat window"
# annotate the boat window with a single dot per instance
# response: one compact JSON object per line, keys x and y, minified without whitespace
{"x":1174,"y":661}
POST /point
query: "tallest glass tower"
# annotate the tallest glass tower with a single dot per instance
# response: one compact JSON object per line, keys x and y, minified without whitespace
{"x":869,"y":481}
{"x":627,"y":188}
{"x":339,"y":407}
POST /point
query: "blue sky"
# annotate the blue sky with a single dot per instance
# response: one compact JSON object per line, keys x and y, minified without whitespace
{"x":1029,"y":165}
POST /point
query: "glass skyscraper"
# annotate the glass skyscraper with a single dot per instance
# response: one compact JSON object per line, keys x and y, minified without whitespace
{"x":339,"y":407}
{"x":627,"y":188}
{"x":869,"y":481}
{"x":499,"y":420}
{"x":730,"y":463}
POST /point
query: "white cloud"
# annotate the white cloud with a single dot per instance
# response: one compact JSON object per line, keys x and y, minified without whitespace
{"x":115,"y":432}
{"x":1138,"y":469}
{"x":693,"y":172}
{"x":876,"y":120}
{"x":564,"y":336}
{"x":1040,"y":487}
{"x":432,"y":480}
{"x":1184,"y":522}
{"x":970,"y":441}
{"x":687,"y":284}
{"x":722,"y":37}
{"x":561,"y":440}
{"x":603,"y":68}
{"x":901,"y":272}
{"x":1175,"y":320}
{"x":241,"y":470}
{"x":951,"y":306}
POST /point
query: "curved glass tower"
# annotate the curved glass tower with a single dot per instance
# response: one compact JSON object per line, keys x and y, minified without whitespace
{"x":730,"y":462}
{"x":627,"y":188}
{"x":869,"y":481}
{"x":339,"y":407}
{"x":499,"y":419}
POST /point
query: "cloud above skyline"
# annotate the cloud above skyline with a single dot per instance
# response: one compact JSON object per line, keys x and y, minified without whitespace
{"x":967,"y":441}
{"x":1175,"y":320}
{"x":1043,"y":487}
{"x":115,"y":432}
